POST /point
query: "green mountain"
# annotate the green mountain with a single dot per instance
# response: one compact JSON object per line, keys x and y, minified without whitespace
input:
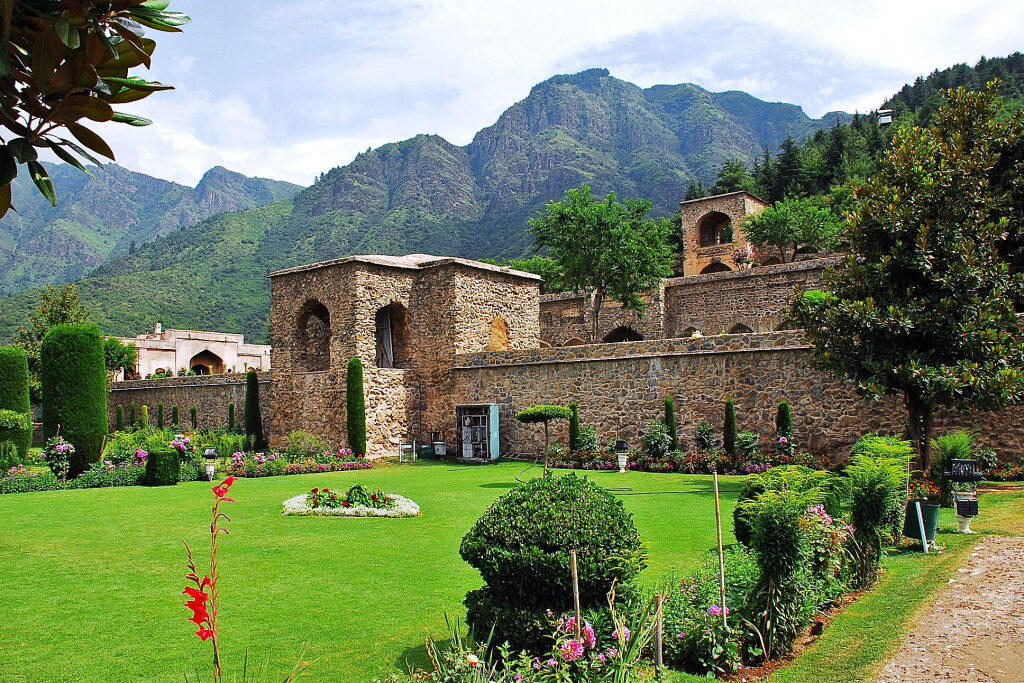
{"x":428,"y":195}
{"x":101,"y":217}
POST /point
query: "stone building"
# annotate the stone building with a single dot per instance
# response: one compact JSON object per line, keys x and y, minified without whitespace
{"x":712,"y":228}
{"x":206,"y":353}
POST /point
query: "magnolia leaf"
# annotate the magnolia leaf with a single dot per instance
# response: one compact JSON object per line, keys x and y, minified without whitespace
{"x":68,"y":157}
{"x":42,"y":180}
{"x":131,"y":119}
{"x":90,"y":107}
{"x":81,"y":152}
{"x":126,"y":95}
{"x":66,"y":32}
{"x":8,"y":166}
{"x":157,"y":5}
{"x":22,"y":150}
{"x":90,"y":139}
{"x":5,"y":199}
{"x":136,"y":83}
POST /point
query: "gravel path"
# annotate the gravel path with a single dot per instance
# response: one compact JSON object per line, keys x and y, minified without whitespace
{"x":975,"y":630}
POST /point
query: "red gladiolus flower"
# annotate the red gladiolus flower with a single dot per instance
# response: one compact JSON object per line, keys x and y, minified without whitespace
{"x":221,"y":489}
{"x":314,"y":490}
{"x":204,"y":633}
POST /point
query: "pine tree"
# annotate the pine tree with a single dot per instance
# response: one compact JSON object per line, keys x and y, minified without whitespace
{"x":355,"y":407}
{"x":670,"y":421}
{"x":253,"y":415}
{"x":729,"y":428}
{"x":574,"y":427}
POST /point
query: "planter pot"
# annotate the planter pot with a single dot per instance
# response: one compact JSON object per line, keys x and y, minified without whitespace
{"x":930,"y":514}
{"x":623,"y":459}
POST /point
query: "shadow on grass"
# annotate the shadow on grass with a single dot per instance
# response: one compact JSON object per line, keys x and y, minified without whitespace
{"x":498,"y":485}
{"x":417,"y":657}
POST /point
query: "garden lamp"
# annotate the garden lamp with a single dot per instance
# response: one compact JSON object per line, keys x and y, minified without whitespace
{"x":210,"y":454}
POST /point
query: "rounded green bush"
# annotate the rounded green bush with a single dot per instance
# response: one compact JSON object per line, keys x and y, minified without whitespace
{"x":521,"y":548}
{"x":163,"y":467}
{"x":74,"y":379}
{"x":14,"y":395}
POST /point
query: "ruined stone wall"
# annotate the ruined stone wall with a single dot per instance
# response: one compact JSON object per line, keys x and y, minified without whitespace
{"x":757,"y":298}
{"x":735,"y":205}
{"x":621,"y":386}
{"x":568,"y":318}
{"x":211,"y":395}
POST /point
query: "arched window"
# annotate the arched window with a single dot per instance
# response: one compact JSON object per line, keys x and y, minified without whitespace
{"x":716,"y":267}
{"x":688,"y":332}
{"x":313,"y":337}
{"x":206,"y":363}
{"x":787,"y":324}
{"x":498,"y":340}
{"x":740,"y":328}
{"x":574,"y":341}
{"x":711,"y":227}
{"x":392,"y":336}
{"x":623,"y":333}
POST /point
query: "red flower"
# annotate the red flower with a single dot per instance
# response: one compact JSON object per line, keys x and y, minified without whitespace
{"x":221,"y":489}
{"x":204,"y":633}
{"x":314,"y":490}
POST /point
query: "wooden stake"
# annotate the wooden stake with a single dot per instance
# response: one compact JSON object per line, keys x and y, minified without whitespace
{"x":721,"y":553}
{"x":658,"y":636}
{"x":577,"y":627}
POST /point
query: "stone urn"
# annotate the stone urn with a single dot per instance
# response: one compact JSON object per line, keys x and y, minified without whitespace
{"x":623,"y":459}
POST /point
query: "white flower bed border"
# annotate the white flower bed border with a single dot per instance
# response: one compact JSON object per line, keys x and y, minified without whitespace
{"x":299,"y":505}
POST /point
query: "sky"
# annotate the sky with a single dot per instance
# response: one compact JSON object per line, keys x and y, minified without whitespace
{"x":287,"y":90}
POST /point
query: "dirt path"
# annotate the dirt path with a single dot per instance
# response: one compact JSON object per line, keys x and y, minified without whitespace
{"x":975,"y":630}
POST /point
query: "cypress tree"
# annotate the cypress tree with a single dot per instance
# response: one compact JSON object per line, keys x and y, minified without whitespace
{"x":144,"y":417}
{"x":231,"y":416}
{"x":670,"y":421}
{"x":74,"y":379}
{"x":14,"y":395}
{"x":132,"y":421}
{"x":355,"y":407}
{"x":729,"y":428}
{"x":160,"y":415}
{"x":175,"y":416}
{"x":574,"y":427}
{"x":253,"y":417}
{"x":193,"y":413}
{"x":119,"y":424}
{"x":784,"y":421}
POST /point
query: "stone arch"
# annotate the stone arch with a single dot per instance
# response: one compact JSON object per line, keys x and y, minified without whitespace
{"x":545,"y":344}
{"x":498,"y":340}
{"x":392,"y":336}
{"x":313,"y":337}
{"x":740,"y":328}
{"x":689,"y":332}
{"x":574,"y":341}
{"x":710,"y":227}
{"x":787,"y":324}
{"x":716,"y":267}
{"x":206,"y":362}
{"x":623,"y":333}
{"x":772,"y":261}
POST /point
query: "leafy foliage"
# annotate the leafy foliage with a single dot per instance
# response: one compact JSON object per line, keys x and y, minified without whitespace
{"x":14,"y":397}
{"x":574,"y":426}
{"x":64,"y":63}
{"x":74,"y":383}
{"x":877,"y":501}
{"x":729,"y":427}
{"x":355,"y":407}
{"x":657,"y":442}
{"x":791,"y":225}
{"x":606,"y":247}
{"x":670,"y":422}
{"x":118,"y":355}
{"x":923,"y":306}
{"x":521,"y":548}
{"x":253,"y":415}
{"x":784,"y":420}
{"x":163,"y":467}
{"x":56,"y":307}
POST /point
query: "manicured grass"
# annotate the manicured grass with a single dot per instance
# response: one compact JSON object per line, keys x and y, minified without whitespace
{"x":94,"y":577}
{"x":862,"y":638}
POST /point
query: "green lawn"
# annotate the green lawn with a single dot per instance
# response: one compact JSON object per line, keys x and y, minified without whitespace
{"x":93,"y":578}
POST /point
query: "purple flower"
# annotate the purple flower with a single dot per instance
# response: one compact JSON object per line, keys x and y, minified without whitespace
{"x":715,"y":610}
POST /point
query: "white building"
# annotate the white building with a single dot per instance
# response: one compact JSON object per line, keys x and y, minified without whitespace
{"x":207,"y":353}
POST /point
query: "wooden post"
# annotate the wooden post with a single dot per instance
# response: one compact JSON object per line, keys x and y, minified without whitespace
{"x":721,"y":554}
{"x":658,"y":636}
{"x":577,"y":627}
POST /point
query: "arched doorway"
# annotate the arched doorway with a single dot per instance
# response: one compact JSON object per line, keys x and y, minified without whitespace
{"x":574,"y":341}
{"x":206,"y":363}
{"x":716,"y":267}
{"x":787,"y":324}
{"x":392,"y":336}
{"x":714,"y":228}
{"x":740,"y":328}
{"x":313,"y":337}
{"x":623,"y":333}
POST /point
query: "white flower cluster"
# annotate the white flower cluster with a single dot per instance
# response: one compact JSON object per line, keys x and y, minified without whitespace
{"x":403,"y":507}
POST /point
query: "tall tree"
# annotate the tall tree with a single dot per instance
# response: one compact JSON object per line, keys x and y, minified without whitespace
{"x":63,"y":62}
{"x":732,"y":177}
{"x":612,"y":249}
{"x":792,"y":224}
{"x":923,"y":307}
{"x":56,"y":307}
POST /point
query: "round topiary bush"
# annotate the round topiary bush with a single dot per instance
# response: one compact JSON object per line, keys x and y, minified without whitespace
{"x":14,"y":396}
{"x":163,"y":467}
{"x":521,"y":548}
{"x":73,"y":373}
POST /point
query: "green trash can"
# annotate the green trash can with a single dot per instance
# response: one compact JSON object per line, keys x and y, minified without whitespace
{"x":930,"y":515}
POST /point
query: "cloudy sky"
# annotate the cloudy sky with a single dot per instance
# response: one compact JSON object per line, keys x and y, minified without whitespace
{"x":289,"y":89}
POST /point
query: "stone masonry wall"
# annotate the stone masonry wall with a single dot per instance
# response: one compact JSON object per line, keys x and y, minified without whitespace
{"x":211,"y":395}
{"x":621,"y":386}
{"x":567,"y":317}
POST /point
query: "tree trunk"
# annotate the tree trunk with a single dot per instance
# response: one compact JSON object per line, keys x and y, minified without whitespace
{"x":920,"y":419}
{"x":598,"y":300}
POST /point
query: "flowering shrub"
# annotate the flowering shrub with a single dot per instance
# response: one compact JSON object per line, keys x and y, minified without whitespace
{"x":57,"y":455}
{"x":20,"y":480}
{"x":689,"y":462}
{"x":182,"y":444}
{"x":106,"y":474}
{"x":1007,"y":472}
{"x":356,"y":502}
{"x":743,"y":253}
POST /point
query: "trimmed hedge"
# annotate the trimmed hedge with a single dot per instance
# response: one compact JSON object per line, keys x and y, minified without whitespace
{"x":729,"y":428}
{"x":14,"y":395}
{"x":163,"y":467}
{"x":193,"y":414}
{"x":175,"y":417}
{"x":231,"y":415}
{"x":355,"y":407}
{"x":521,"y":548}
{"x":74,"y":379}
{"x":670,"y":422}
{"x":159,"y":415}
{"x":574,"y":427}
{"x":253,"y":417}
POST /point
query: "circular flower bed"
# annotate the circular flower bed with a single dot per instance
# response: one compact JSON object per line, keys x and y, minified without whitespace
{"x":356,"y":502}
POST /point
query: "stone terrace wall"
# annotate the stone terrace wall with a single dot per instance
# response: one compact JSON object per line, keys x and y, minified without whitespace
{"x":620,"y":386}
{"x":211,"y":395}
{"x":756,"y":298}
{"x":567,"y":316}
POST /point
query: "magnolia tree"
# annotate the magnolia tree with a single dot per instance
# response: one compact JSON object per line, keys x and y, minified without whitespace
{"x":612,"y":249}
{"x":923,"y":305}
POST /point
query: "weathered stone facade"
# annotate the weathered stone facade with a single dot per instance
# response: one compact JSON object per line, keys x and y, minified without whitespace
{"x":210,"y":394}
{"x":567,"y":319}
{"x":207,"y":353}
{"x":703,"y":222}
{"x":436,"y":307}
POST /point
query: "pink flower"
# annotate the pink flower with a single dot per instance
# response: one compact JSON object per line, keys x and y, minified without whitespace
{"x":715,"y":610}
{"x":588,"y":633}
{"x":572,"y":650}
{"x":625,"y":633}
